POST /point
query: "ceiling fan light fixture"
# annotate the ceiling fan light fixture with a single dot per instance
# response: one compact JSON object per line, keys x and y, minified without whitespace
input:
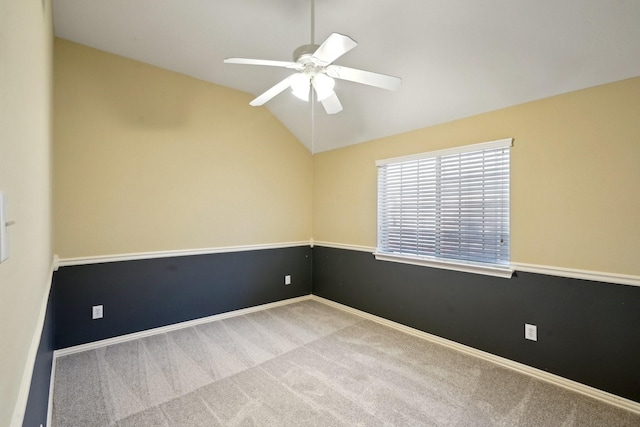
{"x":300,"y":86}
{"x":323,"y":85}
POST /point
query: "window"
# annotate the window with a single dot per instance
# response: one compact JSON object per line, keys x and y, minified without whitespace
{"x":447,"y":208}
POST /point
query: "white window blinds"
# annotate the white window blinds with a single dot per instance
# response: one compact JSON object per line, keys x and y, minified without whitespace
{"x":450,"y":205}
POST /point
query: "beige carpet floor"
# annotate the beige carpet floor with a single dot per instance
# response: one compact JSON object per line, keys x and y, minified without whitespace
{"x":305,"y":364}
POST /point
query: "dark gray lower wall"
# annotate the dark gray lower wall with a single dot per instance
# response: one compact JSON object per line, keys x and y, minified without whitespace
{"x":146,"y":294}
{"x":587,"y":331}
{"x":38,"y":401}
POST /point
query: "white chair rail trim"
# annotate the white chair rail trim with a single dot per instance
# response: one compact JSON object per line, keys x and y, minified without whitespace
{"x":99,"y":259}
{"x":597,"y":276}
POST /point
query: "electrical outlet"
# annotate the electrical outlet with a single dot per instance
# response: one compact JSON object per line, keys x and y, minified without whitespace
{"x":531,"y":332}
{"x":287,"y":279}
{"x":96,"y":312}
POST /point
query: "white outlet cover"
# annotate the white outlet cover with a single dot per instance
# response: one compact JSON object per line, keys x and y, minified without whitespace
{"x":287,"y":279}
{"x":96,"y":312}
{"x":531,"y":332}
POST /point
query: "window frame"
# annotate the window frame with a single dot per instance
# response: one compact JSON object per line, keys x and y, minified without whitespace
{"x":491,"y":269}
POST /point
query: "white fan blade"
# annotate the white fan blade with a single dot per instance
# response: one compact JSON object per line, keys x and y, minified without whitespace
{"x":332,"y":104}
{"x":267,"y":62}
{"x":333,"y":48}
{"x":365,"y":77}
{"x":271,"y":93}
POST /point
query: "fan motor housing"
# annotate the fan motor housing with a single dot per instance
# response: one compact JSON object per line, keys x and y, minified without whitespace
{"x":302,"y":54}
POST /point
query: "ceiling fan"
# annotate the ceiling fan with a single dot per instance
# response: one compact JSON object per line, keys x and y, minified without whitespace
{"x":315,"y":69}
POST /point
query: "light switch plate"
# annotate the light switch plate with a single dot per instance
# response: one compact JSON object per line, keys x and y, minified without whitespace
{"x":4,"y":234}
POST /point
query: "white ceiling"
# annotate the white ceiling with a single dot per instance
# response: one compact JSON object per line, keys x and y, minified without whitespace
{"x":456,"y":58}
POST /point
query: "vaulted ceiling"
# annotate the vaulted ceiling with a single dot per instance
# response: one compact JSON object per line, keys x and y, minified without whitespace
{"x":456,"y":58}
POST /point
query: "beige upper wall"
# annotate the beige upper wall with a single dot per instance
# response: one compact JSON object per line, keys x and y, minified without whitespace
{"x":25,"y":136}
{"x":574,"y":179}
{"x":150,"y":160}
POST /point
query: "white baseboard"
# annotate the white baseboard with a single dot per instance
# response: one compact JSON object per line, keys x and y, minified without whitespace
{"x":51,"y":383}
{"x":575,"y":386}
{"x":25,"y":385}
{"x":164,"y":329}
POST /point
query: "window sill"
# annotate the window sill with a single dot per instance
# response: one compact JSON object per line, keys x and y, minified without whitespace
{"x":488,"y":270}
